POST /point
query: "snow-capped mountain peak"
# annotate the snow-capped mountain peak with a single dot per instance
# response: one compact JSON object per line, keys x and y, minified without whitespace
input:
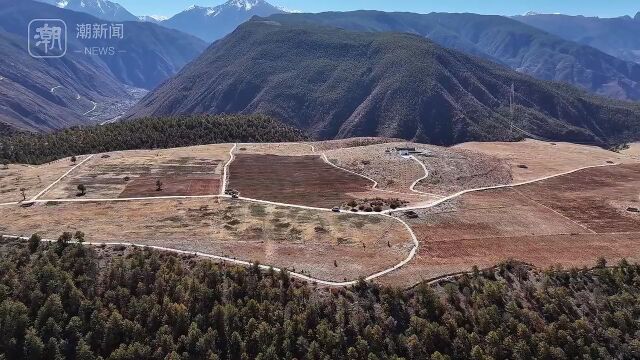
{"x":235,"y":5}
{"x":212,"y":23}
{"x":103,"y":9}
{"x":244,"y":4}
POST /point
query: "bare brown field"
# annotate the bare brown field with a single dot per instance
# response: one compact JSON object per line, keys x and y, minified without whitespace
{"x":193,"y":170}
{"x":532,"y":159}
{"x":452,"y":170}
{"x":176,"y":185}
{"x":298,"y":180}
{"x":391,"y":171}
{"x":441,"y":258}
{"x":32,"y":178}
{"x":597,"y":198}
{"x":570,"y":220}
{"x":499,"y":213}
{"x":307,"y":240}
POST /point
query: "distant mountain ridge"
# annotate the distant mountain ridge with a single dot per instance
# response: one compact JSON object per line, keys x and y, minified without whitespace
{"x":102,"y":9}
{"x":49,"y":94}
{"x":334,"y":83}
{"x":523,"y":48}
{"x":213,"y":23}
{"x":619,"y":37}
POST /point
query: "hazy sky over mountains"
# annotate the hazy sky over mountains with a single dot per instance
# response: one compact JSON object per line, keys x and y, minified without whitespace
{"x":610,"y":8}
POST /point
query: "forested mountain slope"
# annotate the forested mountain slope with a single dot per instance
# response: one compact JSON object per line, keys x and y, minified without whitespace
{"x":524,"y":48}
{"x":619,"y":36}
{"x":150,"y":133}
{"x":335,"y":84}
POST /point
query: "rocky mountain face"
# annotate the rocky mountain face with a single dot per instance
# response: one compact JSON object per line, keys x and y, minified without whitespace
{"x":335,"y":83}
{"x":213,"y":23}
{"x":523,"y":48}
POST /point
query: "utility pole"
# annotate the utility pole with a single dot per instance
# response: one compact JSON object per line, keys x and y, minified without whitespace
{"x":512,"y":96}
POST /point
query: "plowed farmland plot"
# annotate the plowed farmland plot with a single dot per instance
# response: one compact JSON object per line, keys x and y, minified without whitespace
{"x":319,"y":243}
{"x":300,"y":180}
{"x":570,"y":220}
{"x":130,"y":174}
{"x":448,"y":257}
{"x":598,"y":198}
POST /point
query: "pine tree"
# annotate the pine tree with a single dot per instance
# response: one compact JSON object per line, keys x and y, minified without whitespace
{"x":33,"y":345}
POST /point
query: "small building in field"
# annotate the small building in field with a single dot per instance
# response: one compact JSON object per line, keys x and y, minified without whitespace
{"x":405,"y":151}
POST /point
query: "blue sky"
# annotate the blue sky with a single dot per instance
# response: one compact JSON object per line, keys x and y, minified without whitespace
{"x":603,"y":8}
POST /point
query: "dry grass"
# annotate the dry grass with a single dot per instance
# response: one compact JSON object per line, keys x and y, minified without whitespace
{"x":543,"y":159}
{"x":32,"y":178}
{"x":285,"y":149}
{"x":353,"y":142}
{"x":633,"y":151}
{"x":288,"y":237}
{"x":452,"y":170}
{"x":108,"y":175}
{"x":381,"y":163}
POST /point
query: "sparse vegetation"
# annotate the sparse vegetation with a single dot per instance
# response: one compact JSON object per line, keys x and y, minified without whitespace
{"x":619,"y":147}
{"x":376,"y":204}
{"x":82,"y":190}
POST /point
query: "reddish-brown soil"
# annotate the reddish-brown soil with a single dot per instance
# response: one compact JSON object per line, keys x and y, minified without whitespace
{"x":440,"y":258}
{"x":300,"y":180}
{"x":172,"y":186}
{"x":570,"y":220}
{"x":598,"y":198}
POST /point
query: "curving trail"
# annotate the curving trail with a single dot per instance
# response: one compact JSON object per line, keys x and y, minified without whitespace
{"x":458,"y":194}
{"x":375,"y":183}
{"x":94,"y":107}
{"x":426,"y":175}
{"x":248,"y":264}
{"x":387,"y":213}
